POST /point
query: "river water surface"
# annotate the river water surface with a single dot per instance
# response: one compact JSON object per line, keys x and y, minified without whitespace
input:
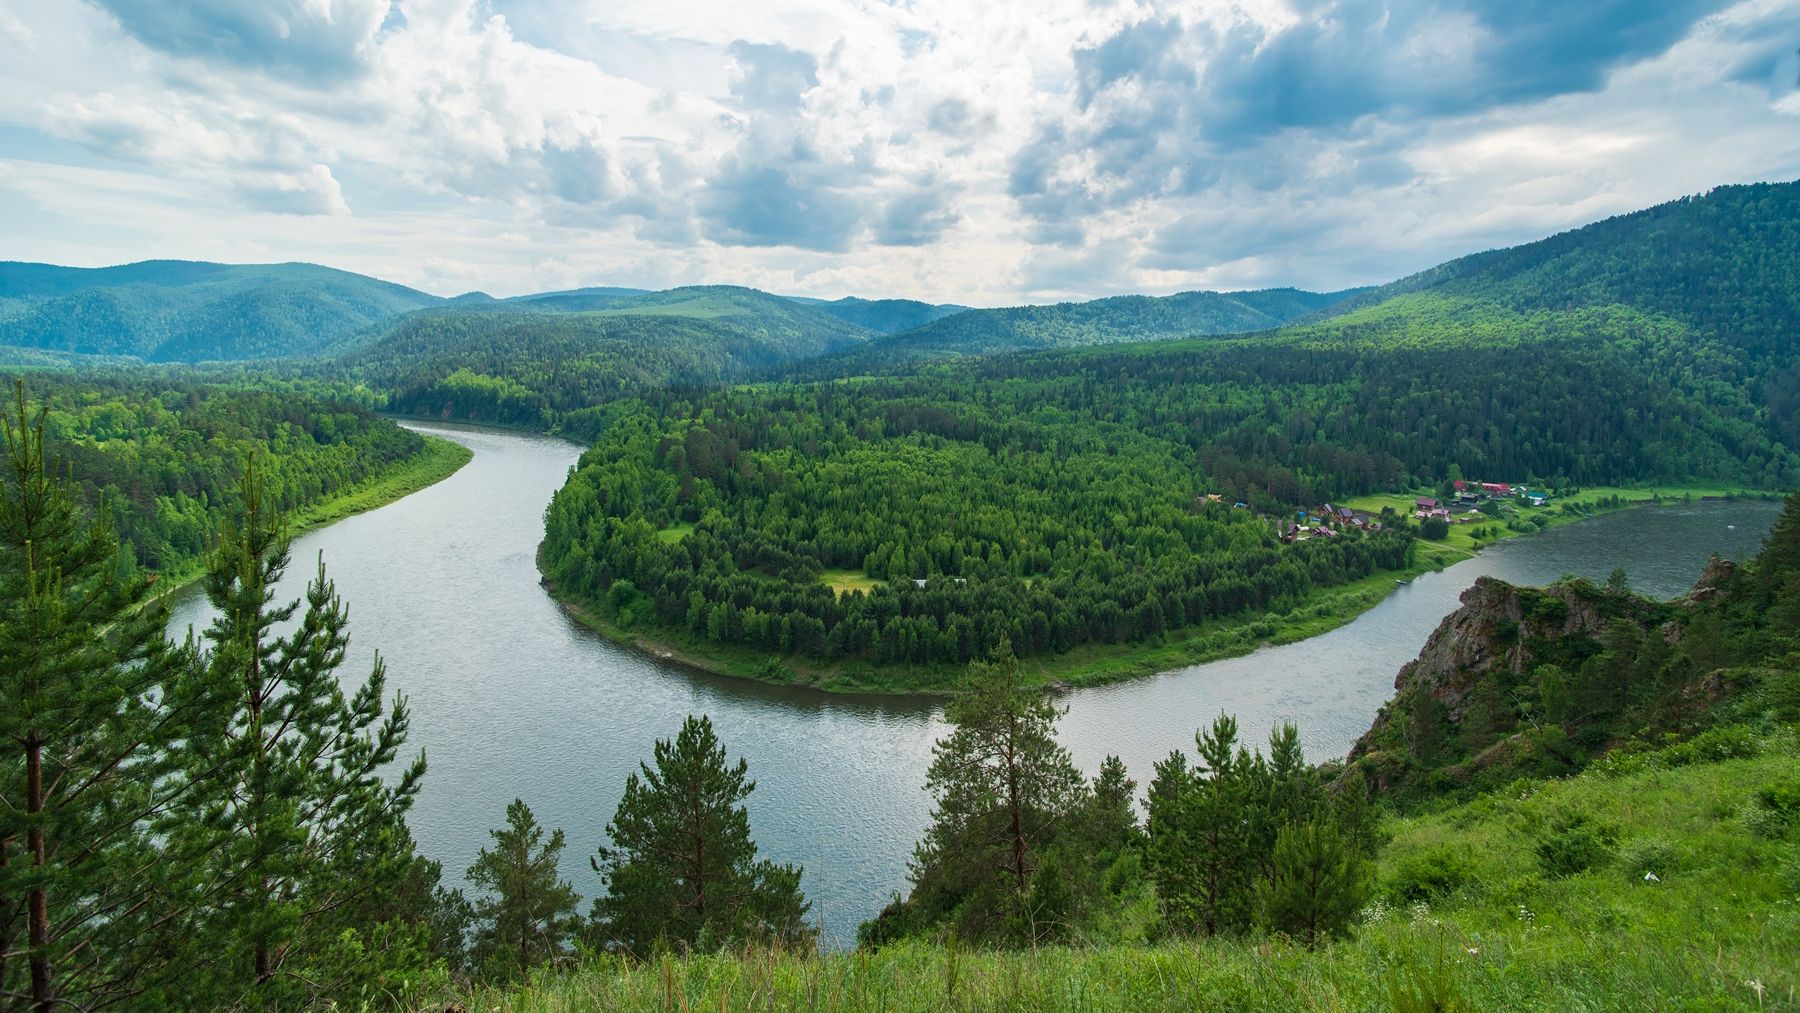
{"x":512,"y":698}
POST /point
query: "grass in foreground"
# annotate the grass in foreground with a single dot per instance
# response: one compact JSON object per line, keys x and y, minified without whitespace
{"x":1472,"y":916}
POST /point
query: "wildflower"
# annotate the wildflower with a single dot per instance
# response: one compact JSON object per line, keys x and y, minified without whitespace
{"x":1474,"y":952}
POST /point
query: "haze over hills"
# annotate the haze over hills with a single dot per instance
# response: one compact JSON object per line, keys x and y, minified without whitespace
{"x":186,"y":311}
{"x":1098,"y":322}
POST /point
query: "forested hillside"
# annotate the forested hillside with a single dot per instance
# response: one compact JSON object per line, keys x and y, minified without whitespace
{"x":551,"y":370}
{"x":165,"y":456}
{"x":884,"y":316}
{"x":187,"y":311}
{"x":1071,"y":325}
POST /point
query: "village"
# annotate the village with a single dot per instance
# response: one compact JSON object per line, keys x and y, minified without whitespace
{"x":1463,"y":507}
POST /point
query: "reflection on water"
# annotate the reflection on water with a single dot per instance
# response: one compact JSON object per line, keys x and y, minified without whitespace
{"x":513,"y":698}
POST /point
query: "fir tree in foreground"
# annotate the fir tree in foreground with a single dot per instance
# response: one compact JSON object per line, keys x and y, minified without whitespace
{"x":92,"y":702}
{"x":290,"y":825}
{"x":528,"y":916}
{"x":1244,"y":840}
{"x":682,"y":870}
{"x":1006,"y":793}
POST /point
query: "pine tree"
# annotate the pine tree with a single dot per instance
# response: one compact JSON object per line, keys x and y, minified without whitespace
{"x":287,"y":771}
{"x":1003,"y":790}
{"x":528,"y":916}
{"x":1202,"y":834}
{"x":91,"y":699}
{"x":1319,"y":883}
{"x":682,"y":869}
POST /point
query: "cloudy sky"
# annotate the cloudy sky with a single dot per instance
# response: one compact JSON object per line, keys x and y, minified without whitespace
{"x":976,"y":152}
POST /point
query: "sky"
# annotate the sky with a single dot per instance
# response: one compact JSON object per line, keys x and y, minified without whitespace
{"x":983,"y":153}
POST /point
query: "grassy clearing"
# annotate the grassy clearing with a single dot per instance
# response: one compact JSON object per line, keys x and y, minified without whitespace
{"x":439,"y":460}
{"x":671,"y":535}
{"x":843,"y":581}
{"x":1721,"y":922}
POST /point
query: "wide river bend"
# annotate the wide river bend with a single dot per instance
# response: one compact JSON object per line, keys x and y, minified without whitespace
{"x":512,"y":698}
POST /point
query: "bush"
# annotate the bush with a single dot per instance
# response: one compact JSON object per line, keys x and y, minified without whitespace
{"x":1648,"y":854}
{"x":1773,"y":809}
{"x":1715,"y":745}
{"x":1574,"y":846}
{"x":1782,"y":693}
{"x":1429,"y":875}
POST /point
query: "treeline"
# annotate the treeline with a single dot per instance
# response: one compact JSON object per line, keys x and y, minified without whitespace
{"x":164,"y":455}
{"x":1021,"y":851}
{"x":1074,"y":325}
{"x":989,"y":519}
{"x":519,"y":366}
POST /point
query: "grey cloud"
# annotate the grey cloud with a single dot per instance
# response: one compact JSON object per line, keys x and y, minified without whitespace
{"x":292,"y":39}
{"x":772,"y":77}
{"x":749,"y":205}
{"x":1167,"y":108}
{"x":918,"y":218}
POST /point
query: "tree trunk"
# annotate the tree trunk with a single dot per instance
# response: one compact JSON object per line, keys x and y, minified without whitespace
{"x":43,"y":995}
{"x":1012,"y":797}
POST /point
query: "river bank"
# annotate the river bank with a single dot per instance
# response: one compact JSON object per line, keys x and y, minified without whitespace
{"x":440,"y":459}
{"x":1091,"y":665}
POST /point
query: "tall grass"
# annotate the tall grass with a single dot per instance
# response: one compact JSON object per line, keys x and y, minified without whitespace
{"x":1717,"y":927}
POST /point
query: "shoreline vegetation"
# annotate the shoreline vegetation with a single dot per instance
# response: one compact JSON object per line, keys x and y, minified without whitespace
{"x":440,"y":459}
{"x":1097,"y":665}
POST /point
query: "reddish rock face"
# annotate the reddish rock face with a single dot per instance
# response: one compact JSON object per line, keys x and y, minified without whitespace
{"x":1491,"y":632}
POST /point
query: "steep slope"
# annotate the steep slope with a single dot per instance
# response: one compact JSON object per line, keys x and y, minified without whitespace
{"x":183,"y":311}
{"x":1723,"y":262}
{"x":514,"y":365}
{"x":1537,"y":682}
{"x":1070,"y":325}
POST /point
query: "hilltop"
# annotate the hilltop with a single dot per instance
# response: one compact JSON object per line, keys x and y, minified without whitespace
{"x":189,"y":311}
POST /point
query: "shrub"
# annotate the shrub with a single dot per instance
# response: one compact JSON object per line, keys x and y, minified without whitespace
{"x":1715,"y":745}
{"x":1647,"y":854}
{"x":1429,"y":875}
{"x":1782,"y":693}
{"x":1574,"y":846}
{"x":1772,"y":809}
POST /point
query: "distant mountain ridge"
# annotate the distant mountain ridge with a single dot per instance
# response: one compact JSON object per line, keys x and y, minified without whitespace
{"x":1112,"y":320}
{"x":188,"y":311}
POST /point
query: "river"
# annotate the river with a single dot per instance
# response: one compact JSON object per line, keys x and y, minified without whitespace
{"x":511,"y":698}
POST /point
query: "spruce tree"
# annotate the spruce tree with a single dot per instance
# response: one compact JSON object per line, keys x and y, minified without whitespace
{"x":1319,"y":883}
{"x":1004,"y":789}
{"x":682,"y":870}
{"x":290,"y":819}
{"x":91,"y":700}
{"x":528,"y":915}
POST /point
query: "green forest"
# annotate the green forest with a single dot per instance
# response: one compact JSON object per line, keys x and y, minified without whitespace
{"x":720,"y":517}
{"x":164,"y":456}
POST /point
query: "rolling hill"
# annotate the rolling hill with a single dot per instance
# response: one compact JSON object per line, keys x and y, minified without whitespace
{"x":885,"y":316}
{"x":1070,"y":325}
{"x":187,"y":311}
{"x":514,"y":365}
